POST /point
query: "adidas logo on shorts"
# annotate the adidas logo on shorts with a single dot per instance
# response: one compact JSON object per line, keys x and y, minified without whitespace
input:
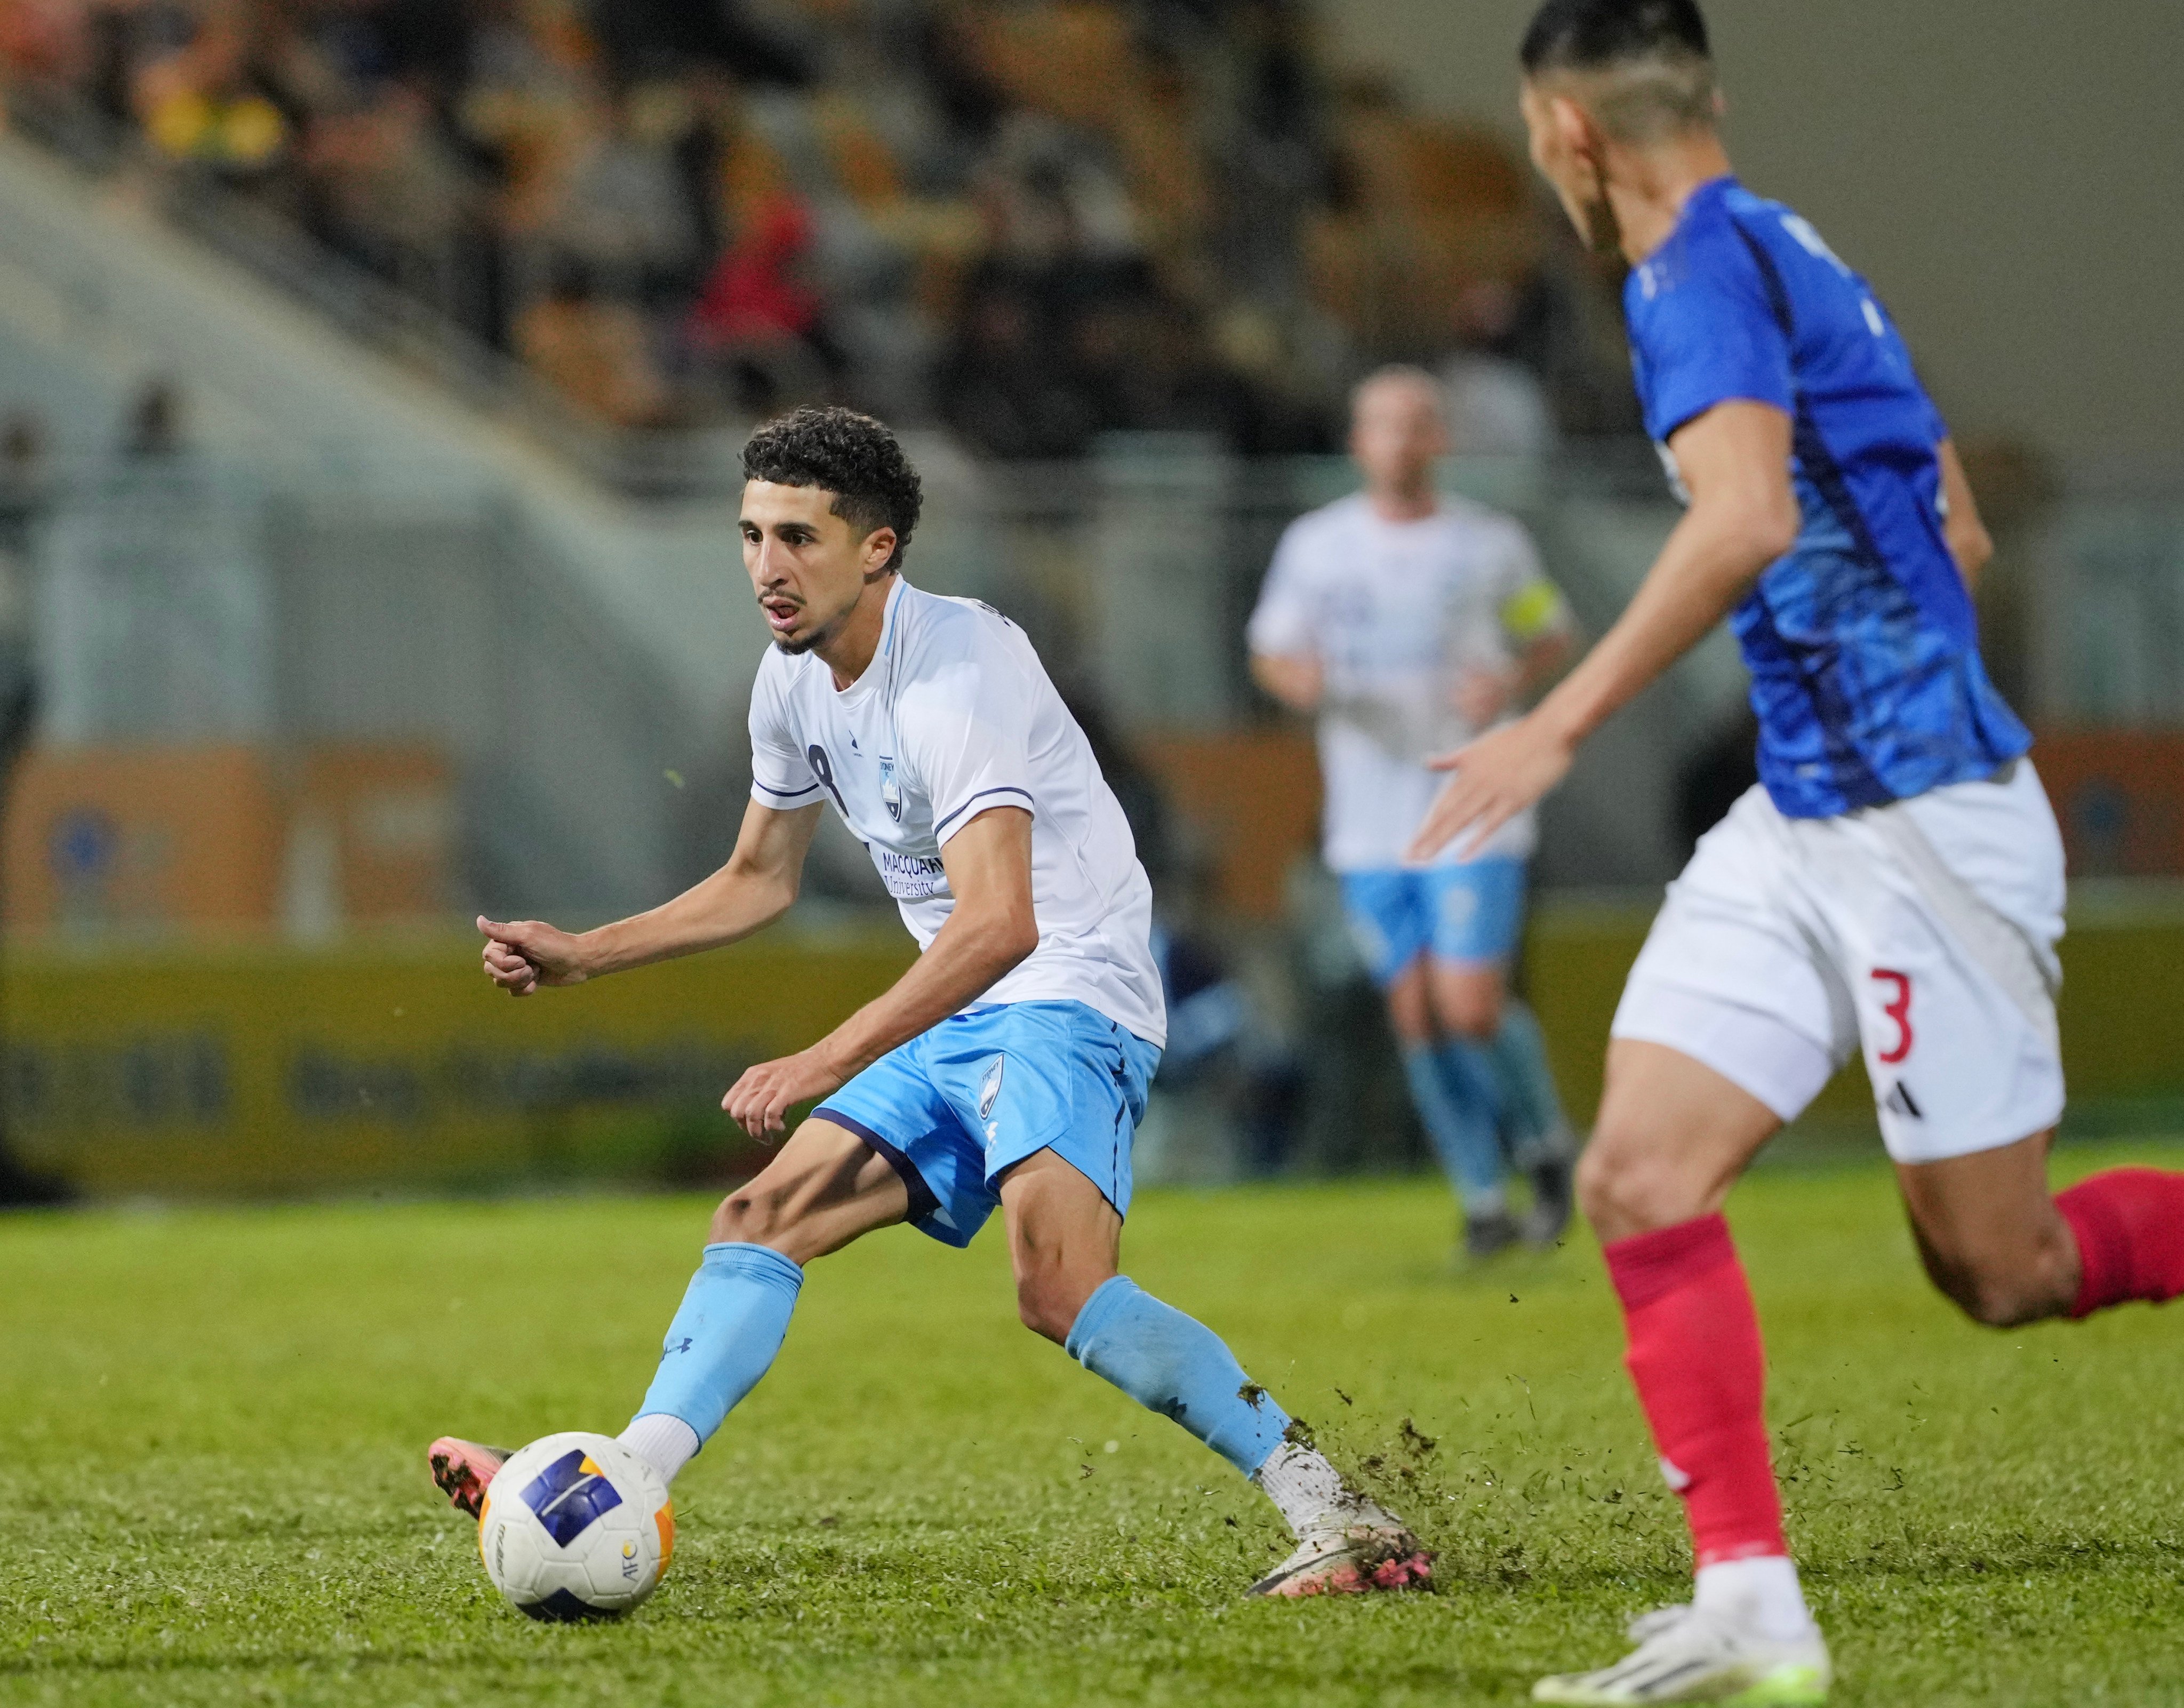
{"x":1900,"y":1102}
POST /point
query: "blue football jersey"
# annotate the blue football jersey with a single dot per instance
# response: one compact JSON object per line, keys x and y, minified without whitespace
{"x":1862,"y":641}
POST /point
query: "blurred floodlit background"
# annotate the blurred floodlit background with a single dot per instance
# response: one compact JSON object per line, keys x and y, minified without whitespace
{"x":372,"y":379}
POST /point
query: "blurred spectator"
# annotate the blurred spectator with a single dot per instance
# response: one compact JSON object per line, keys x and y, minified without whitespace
{"x":758,"y":322}
{"x":595,"y":352}
{"x":625,"y":208}
{"x":152,"y":430}
{"x":2016,"y":487}
{"x":206,"y":102}
{"x":26,"y":484}
{"x":1038,"y":221}
{"x":1495,"y":404}
{"x":26,"y":495}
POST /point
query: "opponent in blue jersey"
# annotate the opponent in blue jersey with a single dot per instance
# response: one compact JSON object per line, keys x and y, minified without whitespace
{"x":1894,"y":885}
{"x":1861,"y":639}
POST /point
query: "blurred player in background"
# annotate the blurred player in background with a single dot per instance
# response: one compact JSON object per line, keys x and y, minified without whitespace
{"x":1006,"y":1069}
{"x":1894,"y":883}
{"x":1409,"y":621}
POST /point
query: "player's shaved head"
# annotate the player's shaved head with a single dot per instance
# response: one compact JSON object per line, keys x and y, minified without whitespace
{"x":1622,"y":113}
{"x":1642,"y":69}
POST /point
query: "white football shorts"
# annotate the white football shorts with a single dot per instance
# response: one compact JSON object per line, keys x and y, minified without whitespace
{"x":1923,"y":932}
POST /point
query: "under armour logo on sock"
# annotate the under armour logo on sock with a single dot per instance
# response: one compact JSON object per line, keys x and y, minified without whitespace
{"x":1676,"y":1476}
{"x":681,"y":1345}
{"x":1899,"y":1101}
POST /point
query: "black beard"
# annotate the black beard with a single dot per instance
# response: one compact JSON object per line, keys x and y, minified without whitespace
{"x":797,"y":649}
{"x":818,"y":636}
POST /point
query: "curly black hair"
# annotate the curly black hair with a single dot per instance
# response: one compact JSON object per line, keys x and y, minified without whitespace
{"x":849,"y":455}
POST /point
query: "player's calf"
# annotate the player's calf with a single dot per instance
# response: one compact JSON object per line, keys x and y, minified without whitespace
{"x":2008,"y":1295}
{"x":1990,"y":1237}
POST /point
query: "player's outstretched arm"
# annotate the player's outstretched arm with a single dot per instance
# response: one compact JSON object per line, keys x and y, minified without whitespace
{"x":992,"y":928}
{"x":1735,"y":460}
{"x":753,"y":889}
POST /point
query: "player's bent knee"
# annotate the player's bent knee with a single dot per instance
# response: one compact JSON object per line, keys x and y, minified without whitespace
{"x":751,"y":1216}
{"x":1625,"y":1186}
{"x":2006,"y":1296}
{"x":1476,"y":1017}
{"x":1046,"y":1307}
{"x":1995,"y":1302}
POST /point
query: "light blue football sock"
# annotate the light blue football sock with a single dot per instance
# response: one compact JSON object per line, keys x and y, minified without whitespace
{"x":1453,"y":1088}
{"x":1172,"y":1364}
{"x":1532,"y":1110}
{"x":733,"y":1320}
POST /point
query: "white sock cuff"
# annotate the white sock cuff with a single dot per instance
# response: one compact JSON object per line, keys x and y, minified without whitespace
{"x":1763,"y":1592}
{"x":663,"y":1441}
{"x":1301,"y":1482}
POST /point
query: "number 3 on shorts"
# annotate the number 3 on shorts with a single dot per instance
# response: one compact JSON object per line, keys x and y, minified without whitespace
{"x":1898,"y":1011}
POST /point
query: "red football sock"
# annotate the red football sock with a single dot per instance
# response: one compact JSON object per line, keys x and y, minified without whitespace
{"x":1695,"y":1357}
{"x":2130,"y":1226}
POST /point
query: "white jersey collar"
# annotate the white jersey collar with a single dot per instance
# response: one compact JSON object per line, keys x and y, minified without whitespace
{"x":883,"y":654}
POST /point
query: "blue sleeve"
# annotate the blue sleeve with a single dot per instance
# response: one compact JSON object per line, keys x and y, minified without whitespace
{"x":1712,"y":339}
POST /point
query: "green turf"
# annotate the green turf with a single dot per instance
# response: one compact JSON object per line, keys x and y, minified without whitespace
{"x":212,"y":1489}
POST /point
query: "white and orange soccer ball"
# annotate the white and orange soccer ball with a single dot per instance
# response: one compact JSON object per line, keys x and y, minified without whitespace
{"x":575,"y":1527}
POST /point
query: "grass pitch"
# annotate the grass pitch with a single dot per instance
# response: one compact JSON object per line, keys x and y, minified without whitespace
{"x":212,"y":1487}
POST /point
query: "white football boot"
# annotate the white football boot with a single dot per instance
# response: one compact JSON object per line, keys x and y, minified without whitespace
{"x":1685,"y":1655}
{"x":1353,"y":1552}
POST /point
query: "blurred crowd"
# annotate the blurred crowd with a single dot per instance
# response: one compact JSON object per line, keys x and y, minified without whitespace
{"x":1035,"y":220}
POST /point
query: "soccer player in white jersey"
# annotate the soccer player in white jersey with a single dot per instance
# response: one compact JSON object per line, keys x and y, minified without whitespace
{"x":1006,"y":1069}
{"x":1892,"y":886}
{"x":1410,"y":620}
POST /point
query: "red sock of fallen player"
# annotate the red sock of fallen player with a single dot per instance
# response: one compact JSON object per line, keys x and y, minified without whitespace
{"x":2130,"y":1225}
{"x":1695,"y":1357}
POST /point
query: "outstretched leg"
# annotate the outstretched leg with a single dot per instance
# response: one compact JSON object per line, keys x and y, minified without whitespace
{"x":824,"y":1189}
{"x":1064,"y":1242}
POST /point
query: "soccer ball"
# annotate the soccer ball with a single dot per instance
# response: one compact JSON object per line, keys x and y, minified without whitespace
{"x":575,"y":1527}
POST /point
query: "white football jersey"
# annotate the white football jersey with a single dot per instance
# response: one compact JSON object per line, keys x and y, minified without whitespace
{"x":954,"y":715}
{"x":1396,"y":612}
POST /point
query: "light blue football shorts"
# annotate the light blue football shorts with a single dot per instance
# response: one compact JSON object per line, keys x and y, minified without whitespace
{"x":956,"y":1106}
{"x":1470,"y":912}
